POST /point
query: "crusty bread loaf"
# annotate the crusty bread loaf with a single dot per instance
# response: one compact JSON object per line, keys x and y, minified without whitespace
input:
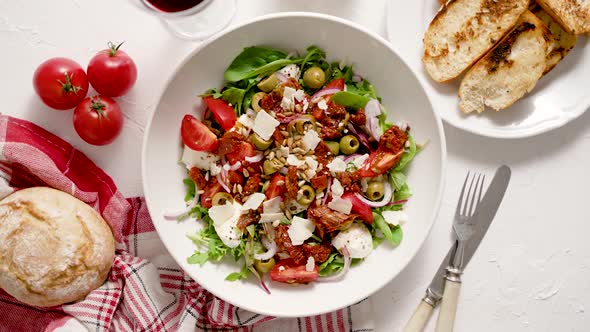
{"x":561,"y":43}
{"x":509,"y":71}
{"x":54,"y":248}
{"x":573,"y":15}
{"x":463,"y":31}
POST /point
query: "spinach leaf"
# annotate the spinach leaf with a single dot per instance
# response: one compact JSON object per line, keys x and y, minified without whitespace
{"x":363,"y":88}
{"x":349,"y":99}
{"x":254,"y":61}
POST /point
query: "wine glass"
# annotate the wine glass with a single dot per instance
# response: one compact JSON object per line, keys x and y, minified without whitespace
{"x":191,"y":19}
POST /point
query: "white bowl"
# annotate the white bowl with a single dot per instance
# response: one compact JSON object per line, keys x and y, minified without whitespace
{"x":404,"y":99}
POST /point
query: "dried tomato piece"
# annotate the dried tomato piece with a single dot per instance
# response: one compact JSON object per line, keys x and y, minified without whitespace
{"x":319,"y":252}
{"x":359,"y":118}
{"x":252,"y":184}
{"x":198,"y":177}
{"x":393,"y":139}
{"x":320,"y":180}
{"x":248,"y":219}
{"x":229,"y":142}
{"x":329,"y":220}
{"x":291,"y":182}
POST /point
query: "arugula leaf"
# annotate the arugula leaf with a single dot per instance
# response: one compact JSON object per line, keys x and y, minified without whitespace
{"x":313,"y":56}
{"x":402,"y":193}
{"x":254,"y":61}
{"x":333,"y":264}
{"x":408,"y":155}
{"x":211,"y":92}
{"x":377,"y":241}
{"x":198,"y":258}
{"x":383,"y":124}
{"x":349,"y":99}
{"x":394,"y":237}
{"x":397,"y":179}
{"x":363,"y":88}
{"x":190,"y":189}
{"x":243,"y":274}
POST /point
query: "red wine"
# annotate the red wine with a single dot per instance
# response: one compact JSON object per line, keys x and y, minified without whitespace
{"x":172,"y":6}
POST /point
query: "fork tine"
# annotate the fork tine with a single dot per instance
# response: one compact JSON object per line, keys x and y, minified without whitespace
{"x":460,"y":203}
{"x":467,"y":206}
{"x":483,"y":180}
{"x":473,"y":204}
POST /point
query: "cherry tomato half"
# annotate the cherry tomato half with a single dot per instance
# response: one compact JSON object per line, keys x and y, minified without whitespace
{"x":196,"y":135}
{"x":223,"y":113}
{"x":276,"y":186}
{"x":60,"y":83}
{"x":358,"y":207}
{"x":287,"y":271}
{"x":98,"y":120}
{"x":112,"y":72}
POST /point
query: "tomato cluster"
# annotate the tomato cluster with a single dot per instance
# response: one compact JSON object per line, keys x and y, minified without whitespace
{"x":62,"y":84}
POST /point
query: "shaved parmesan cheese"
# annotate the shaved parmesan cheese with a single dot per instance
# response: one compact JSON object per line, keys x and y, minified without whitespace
{"x":340,"y":205}
{"x":395,"y":217}
{"x":310,"y":140}
{"x":288,"y":102}
{"x":253,"y":201}
{"x":322,"y":105}
{"x":337,"y":165}
{"x":272,"y":205}
{"x":295,"y":207}
{"x":225,"y":220}
{"x":299,"y":95}
{"x":271,"y":217}
{"x":247,"y":121}
{"x":357,"y":239}
{"x":337,"y":188}
{"x":199,"y":159}
{"x":294,"y":161}
{"x":264,"y":125}
{"x":300,"y":230}
{"x":310,"y":265}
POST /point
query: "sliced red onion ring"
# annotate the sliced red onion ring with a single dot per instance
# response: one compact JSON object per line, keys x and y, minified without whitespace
{"x":271,"y":247}
{"x":351,"y":157}
{"x":373,"y":108}
{"x":374,"y":129}
{"x":357,"y":78}
{"x":361,"y":136}
{"x":177,"y":214}
{"x":222,"y":183}
{"x":258,"y":157}
{"x":325,"y":198}
{"x":342,"y":272}
{"x":322,"y":93}
{"x":387,"y":194}
{"x":235,"y":166}
{"x":289,"y":118}
{"x":262,"y":284}
{"x":283,"y":170}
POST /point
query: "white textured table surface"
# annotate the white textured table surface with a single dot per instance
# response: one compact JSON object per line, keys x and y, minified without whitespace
{"x":531,"y":273}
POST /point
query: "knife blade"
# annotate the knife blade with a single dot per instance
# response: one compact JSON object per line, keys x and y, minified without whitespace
{"x":483,"y":215}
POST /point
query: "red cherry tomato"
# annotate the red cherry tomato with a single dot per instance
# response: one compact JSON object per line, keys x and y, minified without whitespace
{"x":336,"y":84}
{"x":98,"y":120}
{"x":287,"y":271}
{"x":196,"y":135}
{"x":358,"y":207}
{"x":276,"y":186}
{"x":112,"y":72}
{"x":60,"y":83}
{"x":243,"y":150}
{"x":223,"y":113}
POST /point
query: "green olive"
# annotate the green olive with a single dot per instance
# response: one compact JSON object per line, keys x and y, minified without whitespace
{"x":221,"y":198}
{"x":264,"y":266}
{"x":255,"y":102}
{"x":349,"y":144}
{"x":270,"y":167}
{"x":375,"y":190}
{"x":301,"y":125}
{"x":333,"y":146}
{"x":344,"y":122}
{"x":259,"y":143}
{"x":314,"y":77}
{"x":307,"y":195}
{"x":268,"y":84}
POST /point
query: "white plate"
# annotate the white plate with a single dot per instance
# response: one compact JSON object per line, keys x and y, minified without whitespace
{"x":559,"y":97}
{"x":403,"y":97}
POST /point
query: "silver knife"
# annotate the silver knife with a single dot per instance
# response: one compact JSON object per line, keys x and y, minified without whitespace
{"x":484,"y":214}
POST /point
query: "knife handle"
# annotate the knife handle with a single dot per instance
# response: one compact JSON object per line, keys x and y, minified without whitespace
{"x":420,"y":317}
{"x":448,"y":307}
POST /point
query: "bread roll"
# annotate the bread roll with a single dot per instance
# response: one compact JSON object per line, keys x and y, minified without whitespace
{"x":54,"y":248}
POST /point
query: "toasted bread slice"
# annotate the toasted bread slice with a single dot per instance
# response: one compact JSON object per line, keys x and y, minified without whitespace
{"x":509,"y":71}
{"x":463,"y":31}
{"x":561,"y":43}
{"x":573,"y":15}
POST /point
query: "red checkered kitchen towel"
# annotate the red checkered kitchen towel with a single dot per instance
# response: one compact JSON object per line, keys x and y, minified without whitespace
{"x":146,"y":290}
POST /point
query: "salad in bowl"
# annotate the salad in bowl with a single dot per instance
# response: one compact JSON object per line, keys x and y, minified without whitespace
{"x":293,"y":169}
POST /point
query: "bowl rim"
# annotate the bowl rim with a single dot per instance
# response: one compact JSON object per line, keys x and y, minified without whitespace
{"x":320,"y":16}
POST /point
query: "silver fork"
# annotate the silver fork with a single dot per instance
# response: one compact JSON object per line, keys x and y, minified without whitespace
{"x":464,"y":227}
